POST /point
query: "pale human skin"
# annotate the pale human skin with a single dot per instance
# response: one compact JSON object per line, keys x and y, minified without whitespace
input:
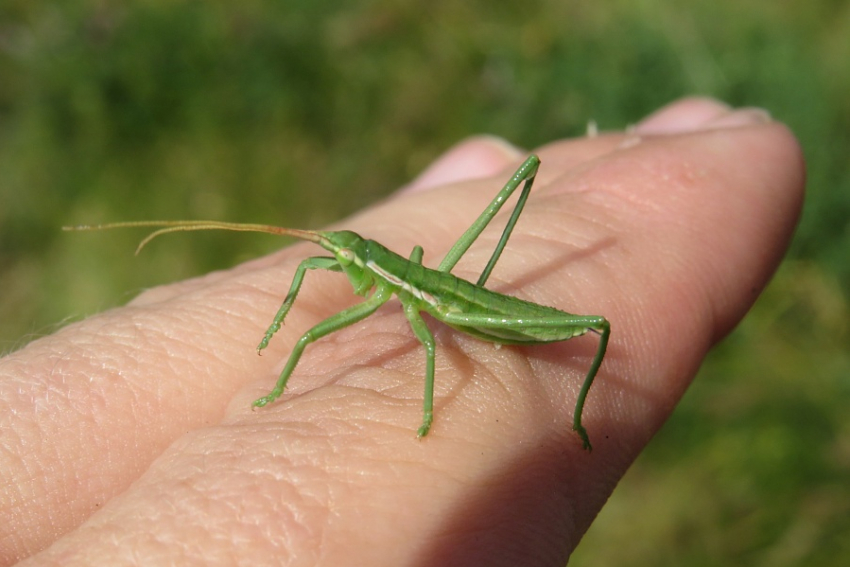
{"x":128,"y":438}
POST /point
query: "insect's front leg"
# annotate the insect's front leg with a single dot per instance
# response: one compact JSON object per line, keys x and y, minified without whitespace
{"x":314,"y":263}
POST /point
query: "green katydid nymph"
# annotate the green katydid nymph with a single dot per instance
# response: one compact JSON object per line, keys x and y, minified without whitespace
{"x":377,"y":273}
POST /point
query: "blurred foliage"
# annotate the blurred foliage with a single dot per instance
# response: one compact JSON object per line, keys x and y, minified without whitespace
{"x":298,"y":113}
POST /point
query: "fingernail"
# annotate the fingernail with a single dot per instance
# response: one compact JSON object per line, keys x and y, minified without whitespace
{"x":699,"y":114}
{"x":749,"y":116}
{"x":475,"y":157}
{"x":510,"y":150}
{"x":681,"y":116}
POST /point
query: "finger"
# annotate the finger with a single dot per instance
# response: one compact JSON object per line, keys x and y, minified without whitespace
{"x":649,"y":216}
{"x":168,"y":363}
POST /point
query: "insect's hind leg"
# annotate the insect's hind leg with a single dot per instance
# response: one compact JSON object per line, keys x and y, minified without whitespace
{"x":528,"y":175}
{"x":525,"y":173}
{"x":604,"y":330}
{"x":572,"y":325}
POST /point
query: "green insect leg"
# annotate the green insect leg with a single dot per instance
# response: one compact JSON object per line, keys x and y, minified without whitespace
{"x":420,"y":329}
{"x":336,"y":322}
{"x":526,"y":173}
{"x":604,"y":330}
{"x":314,"y":263}
{"x":567,"y":323}
{"x":416,"y":255}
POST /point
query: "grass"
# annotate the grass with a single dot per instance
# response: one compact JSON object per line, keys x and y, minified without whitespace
{"x":298,"y":113}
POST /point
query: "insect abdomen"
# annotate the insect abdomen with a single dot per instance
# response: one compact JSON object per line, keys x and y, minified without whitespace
{"x":442,"y":292}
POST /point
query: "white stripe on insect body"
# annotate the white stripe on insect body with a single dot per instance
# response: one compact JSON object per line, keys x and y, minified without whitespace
{"x":406,"y":286}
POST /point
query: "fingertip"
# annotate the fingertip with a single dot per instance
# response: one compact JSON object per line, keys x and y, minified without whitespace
{"x":475,"y":157}
{"x":684,"y":115}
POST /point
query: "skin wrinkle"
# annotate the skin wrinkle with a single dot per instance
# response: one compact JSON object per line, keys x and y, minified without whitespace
{"x":329,"y":505}
{"x":141,"y":339}
{"x":639,"y":167}
{"x":346,"y":348}
{"x":238,"y":309}
{"x":498,"y":375}
{"x":259,"y":462}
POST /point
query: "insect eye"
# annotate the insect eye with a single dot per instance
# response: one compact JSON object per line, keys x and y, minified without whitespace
{"x":345,"y":257}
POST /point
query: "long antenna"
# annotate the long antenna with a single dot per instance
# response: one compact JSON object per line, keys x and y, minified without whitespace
{"x":179,"y":226}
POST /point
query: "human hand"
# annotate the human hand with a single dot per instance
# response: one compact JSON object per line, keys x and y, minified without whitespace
{"x":129,"y":437}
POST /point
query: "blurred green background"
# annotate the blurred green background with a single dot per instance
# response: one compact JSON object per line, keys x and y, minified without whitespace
{"x":299,"y":112}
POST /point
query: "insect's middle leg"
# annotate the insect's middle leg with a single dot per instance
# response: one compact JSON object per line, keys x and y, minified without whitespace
{"x":420,"y":329}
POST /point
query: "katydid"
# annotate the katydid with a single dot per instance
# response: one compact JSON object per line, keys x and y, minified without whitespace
{"x":467,"y":307}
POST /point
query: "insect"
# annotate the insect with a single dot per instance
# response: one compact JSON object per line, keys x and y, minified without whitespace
{"x":465,"y":306}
